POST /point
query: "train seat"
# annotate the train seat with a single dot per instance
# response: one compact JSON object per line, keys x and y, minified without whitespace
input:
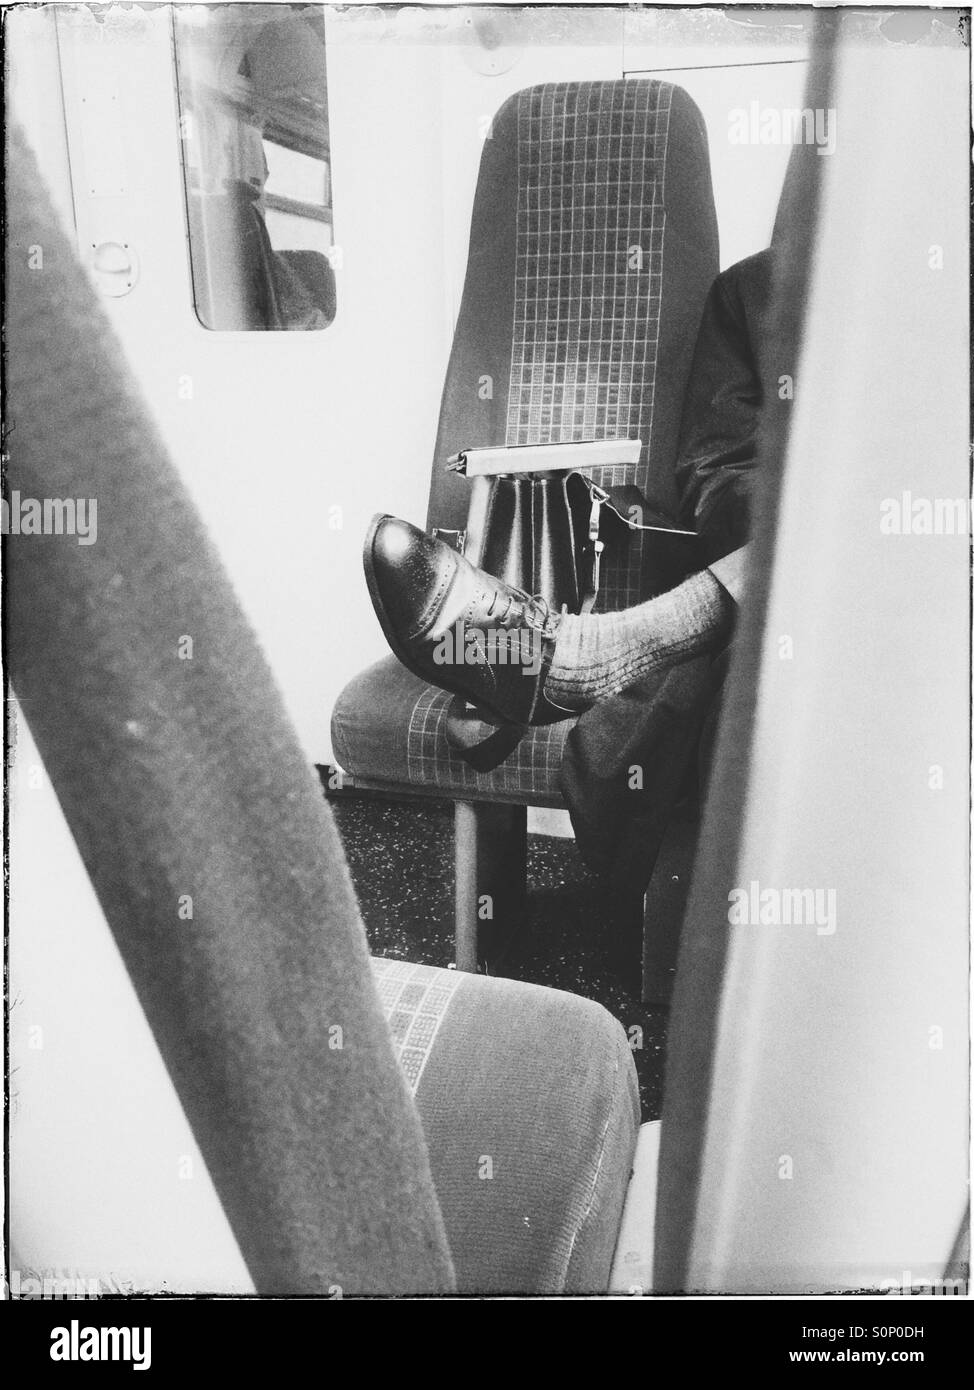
{"x":530,"y":1111}
{"x":593,"y":245}
{"x":314,"y":279}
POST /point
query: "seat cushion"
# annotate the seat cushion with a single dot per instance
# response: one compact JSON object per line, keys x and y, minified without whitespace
{"x":389,"y":727}
{"x":530,"y":1108}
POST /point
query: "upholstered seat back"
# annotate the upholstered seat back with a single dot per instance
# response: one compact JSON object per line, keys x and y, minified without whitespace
{"x":593,"y":244}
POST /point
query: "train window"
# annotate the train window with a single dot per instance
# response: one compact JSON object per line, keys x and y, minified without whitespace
{"x":253,"y":115}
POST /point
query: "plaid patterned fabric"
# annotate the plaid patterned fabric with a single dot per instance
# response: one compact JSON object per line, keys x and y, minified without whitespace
{"x":532,"y":768}
{"x":590,"y":223}
{"x":415,"y":999}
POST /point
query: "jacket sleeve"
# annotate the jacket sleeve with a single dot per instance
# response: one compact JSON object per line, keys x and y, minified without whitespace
{"x":718,"y":436}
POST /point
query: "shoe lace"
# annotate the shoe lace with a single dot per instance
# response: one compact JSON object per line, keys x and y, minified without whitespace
{"x":533,"y":610}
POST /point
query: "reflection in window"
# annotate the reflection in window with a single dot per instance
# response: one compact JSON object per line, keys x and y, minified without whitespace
{"x":256,"y":161}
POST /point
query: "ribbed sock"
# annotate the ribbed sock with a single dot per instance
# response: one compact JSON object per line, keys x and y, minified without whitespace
{"x":599,"y":654}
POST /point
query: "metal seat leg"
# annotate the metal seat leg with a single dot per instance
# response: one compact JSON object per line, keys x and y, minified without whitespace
{"x":490,"y":853}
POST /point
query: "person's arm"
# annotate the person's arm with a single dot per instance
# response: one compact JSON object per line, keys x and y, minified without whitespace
{"x":718,"y":438}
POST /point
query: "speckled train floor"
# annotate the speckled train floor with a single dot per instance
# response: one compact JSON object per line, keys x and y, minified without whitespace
{"x":401,"y":859}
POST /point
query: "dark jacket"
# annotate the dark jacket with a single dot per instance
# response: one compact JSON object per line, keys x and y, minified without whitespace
{"x":718,"y":433}
{"x":628,"y":758}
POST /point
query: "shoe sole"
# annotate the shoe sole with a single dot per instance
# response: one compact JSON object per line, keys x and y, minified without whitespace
{"x":397,"y":649}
